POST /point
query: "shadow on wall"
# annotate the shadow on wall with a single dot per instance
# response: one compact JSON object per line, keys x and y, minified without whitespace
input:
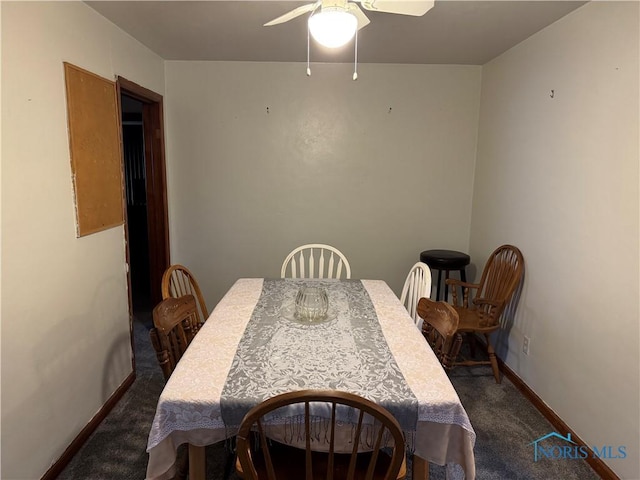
{"x":66,"y":376}
{"x":77,"y":342}
{"x":507,"y":320}
{"x":118,"y":360}
{"x":472,"y":272}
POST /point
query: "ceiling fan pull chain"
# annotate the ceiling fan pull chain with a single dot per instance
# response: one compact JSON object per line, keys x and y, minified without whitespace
{"x":355,"y":66}
{"x":308,"y":42}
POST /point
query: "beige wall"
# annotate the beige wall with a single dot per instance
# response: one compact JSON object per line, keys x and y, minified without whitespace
{"x":558,"y":177}
{"x":65,"y":322}
{"x":263,"y":158}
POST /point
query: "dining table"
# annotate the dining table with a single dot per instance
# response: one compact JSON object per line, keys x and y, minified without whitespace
{"x":253,"y":346}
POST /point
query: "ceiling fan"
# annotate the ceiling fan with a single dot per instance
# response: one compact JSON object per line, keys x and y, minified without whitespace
{"x":341,"y":18}
{"x":334,"y":22}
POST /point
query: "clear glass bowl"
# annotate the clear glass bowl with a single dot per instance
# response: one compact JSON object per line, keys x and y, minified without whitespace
{"x":311,"y":304}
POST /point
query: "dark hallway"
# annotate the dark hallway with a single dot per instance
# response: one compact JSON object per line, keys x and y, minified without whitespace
{"x":136,"y":194}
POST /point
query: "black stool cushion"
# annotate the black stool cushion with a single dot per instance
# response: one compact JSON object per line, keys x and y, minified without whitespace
{"x":445,"y":259}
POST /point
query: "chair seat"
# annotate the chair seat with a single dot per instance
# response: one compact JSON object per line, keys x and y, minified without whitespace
{"x":289,"y":463}
{"x":470,"y":321}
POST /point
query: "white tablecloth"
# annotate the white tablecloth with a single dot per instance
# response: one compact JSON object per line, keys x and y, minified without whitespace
{"x":189,"y":407}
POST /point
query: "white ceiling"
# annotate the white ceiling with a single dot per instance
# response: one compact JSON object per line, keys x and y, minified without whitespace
{"x":452,"y":32}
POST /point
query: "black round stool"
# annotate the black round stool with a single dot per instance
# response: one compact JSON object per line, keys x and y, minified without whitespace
{"x":446,"y":260}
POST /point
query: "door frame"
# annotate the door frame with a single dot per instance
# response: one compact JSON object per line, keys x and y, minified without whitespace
{"x":156,"y":186}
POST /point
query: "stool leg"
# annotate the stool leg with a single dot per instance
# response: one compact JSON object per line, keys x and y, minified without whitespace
{"x":446,"y":287}
{"x":438,"y":289}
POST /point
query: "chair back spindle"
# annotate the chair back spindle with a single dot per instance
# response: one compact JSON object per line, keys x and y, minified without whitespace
{"x":501,"y":275}
{"x":178,"y":281}
{"x":416,"y":286}
{"x":379,"y":456}
{"x":315,"y":261}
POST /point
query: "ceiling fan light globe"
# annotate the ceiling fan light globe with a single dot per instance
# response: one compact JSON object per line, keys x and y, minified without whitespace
{"x":333,"y":28}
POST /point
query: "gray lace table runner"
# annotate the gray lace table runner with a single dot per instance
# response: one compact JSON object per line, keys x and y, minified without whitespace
{"x":348,"y":352}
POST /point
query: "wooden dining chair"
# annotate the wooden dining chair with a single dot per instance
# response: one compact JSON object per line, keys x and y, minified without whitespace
{"x":262,"y":458}
{"x":178,"y":281}
{"x":416,"y":286}
{"x":175,"y":323}
{"x":440,"y":329}
{"x":480,"y":311}
{"x":315,"y":260}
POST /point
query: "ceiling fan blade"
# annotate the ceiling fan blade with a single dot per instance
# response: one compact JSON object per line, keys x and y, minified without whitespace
{"x":416,"y":8}
{"x":363,"y":21}
{"x":296,"y":12}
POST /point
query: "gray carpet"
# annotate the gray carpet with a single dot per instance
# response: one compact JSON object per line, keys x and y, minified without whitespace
{"x":504,"y":421}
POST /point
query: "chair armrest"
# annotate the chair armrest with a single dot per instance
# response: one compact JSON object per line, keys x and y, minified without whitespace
{"x":460,"y":283}
{"x":485,"y":301}
{"x":466,"y":290}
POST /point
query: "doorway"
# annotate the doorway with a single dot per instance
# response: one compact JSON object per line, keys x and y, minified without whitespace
{"x":136,"y":200}
{"x":146,"y":231}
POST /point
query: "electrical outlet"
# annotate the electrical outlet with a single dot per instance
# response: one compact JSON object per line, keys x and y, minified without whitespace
{"x":525,"y":345}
